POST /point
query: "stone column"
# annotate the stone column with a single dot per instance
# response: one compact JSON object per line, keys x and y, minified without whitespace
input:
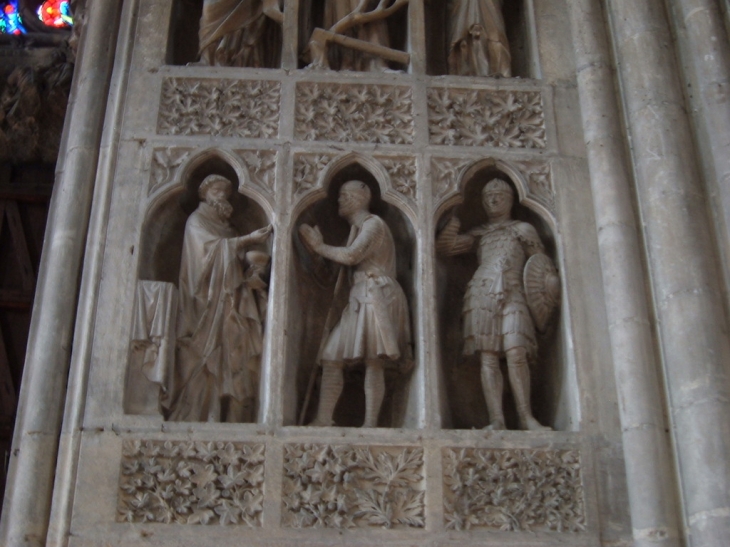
{"x":684,"y":273}
{"x":646,"y":446}
{"x":705,"y":53}
{"x":43,"y":390}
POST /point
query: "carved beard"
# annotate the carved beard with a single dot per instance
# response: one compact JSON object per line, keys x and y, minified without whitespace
{"x":223,"y":208}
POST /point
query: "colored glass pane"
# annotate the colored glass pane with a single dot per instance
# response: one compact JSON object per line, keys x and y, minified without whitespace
{"x":56,"y":13}
{"x":10,"y":21}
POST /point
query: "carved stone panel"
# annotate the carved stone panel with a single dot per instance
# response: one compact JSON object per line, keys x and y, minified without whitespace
{"x":178,"y":482}
{"x":261,"y":167}
{"x":225,"y":108}
{"x":445,"y":175}
{"x":513,"y":490}
{"x":165,"y":162}
{"x":354,"y":113}
{"x":353,"y":486}
{"x":402,"y":171}
{"x":307,"y":168}
{"x":539,"y":177}
{"x":482,"y":117}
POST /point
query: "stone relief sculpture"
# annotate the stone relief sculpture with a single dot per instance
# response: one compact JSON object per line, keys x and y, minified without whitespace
{"x":374,"y":327}
{"x":361,"y":28}
{"x":240,"y":33}
{"x":220,"y":315}
{"x":478,"y":43}
{"x":515,"y":289}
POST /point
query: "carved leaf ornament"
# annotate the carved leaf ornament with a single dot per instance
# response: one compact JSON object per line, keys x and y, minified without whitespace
{"x":191,"y":483}
{"x":354,"y":113}
{"x":471,"y":117}
{"x":225,"y":108}
{"x":348,"y":487}
{"x":513,"y":490}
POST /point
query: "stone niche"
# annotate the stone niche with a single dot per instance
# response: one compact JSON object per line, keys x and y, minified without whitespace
{"x":289,"y":136}
{"x":552,"y":401}
{"x":160,"y":260}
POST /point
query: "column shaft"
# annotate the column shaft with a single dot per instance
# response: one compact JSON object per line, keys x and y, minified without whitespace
{"x":646,"y":446}
{"x":705,"y":53}
{"x":682,"y":257}
{"x":43,"y":389}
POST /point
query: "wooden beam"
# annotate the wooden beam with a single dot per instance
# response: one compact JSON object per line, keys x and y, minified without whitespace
{"x":21,"y":246}
{"x":8,"y":397}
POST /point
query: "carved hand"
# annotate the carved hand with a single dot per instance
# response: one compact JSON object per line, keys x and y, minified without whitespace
{"x":311,"y":236}
{"x":259,"y":236}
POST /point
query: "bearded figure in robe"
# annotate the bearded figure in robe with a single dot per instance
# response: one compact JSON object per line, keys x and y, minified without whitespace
{"x":221,"y":309}
{"x":478,"y":43}
{"x":241,"y":33}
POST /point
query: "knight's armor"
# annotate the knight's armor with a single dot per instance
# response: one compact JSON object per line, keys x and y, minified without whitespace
{"x":496,"y":316}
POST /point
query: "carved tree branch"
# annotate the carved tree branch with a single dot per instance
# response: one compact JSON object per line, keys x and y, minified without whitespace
{"x":272,"y":10}
{"x":359,"y":16}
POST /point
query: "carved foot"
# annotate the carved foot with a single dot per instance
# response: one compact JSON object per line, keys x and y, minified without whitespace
{"x":318,"y":422}
{"x":496,"y":425}
{"x":531,"y":424}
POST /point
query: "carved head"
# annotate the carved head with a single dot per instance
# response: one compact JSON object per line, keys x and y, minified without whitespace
{"x":497,"y":198}
{"x":215,"y":191}
{"x":355,"y":195}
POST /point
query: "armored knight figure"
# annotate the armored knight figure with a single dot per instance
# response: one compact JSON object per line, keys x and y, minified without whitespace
{"x":514,"y":289}
{"x":478,"y":43}
{"x":374,"y":327}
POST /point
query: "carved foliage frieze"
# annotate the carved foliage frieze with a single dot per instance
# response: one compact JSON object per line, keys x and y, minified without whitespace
{"x":165,"y":162}
{"x":191,"y":483}
{"x":539,"y":177}
{"x":480,"y":117}
{"x":513,"y":490}
{"x":354,"y":113}
{"x":225,"y":108}
{"x":402,"y":171}
{"x":261,"y":166}
{"x":351,"y":486}
{"x":307,"y":168}
{"x":445,"y":175}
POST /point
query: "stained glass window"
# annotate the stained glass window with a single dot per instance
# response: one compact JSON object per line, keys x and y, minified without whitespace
{"x":10,"y":21}
{"x":56,"y":13}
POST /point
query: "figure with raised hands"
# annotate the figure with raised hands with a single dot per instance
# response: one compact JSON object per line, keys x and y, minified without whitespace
{"x":374,"y":327}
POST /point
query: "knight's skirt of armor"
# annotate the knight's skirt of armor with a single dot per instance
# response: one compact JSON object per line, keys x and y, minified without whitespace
{"x":373,"y":325}
{"x":495,"y":322}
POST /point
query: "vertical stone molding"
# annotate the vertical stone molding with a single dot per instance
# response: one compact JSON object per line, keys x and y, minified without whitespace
{"x":688,"y":301}
{"x":30,"y":478}
{"x":646,"y":446}
{"x":705,"y":50}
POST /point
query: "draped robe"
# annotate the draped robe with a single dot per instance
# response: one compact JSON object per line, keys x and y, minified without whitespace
{"x":238,"y":33}
{"x":478,"y":43}
{"x":219,"y":327}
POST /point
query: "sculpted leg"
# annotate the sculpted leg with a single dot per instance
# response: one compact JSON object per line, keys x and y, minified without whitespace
{"x":519,"y":377}
{"x":374,"y":392}
{"x":332,"y":384}
{"x":492,"y":385}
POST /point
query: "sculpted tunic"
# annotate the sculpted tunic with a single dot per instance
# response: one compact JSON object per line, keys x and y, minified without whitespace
{"x":375,"y":323}
{"x":219,"y":323}
{"x":496,"y":316}
{"x":234,"y":33}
